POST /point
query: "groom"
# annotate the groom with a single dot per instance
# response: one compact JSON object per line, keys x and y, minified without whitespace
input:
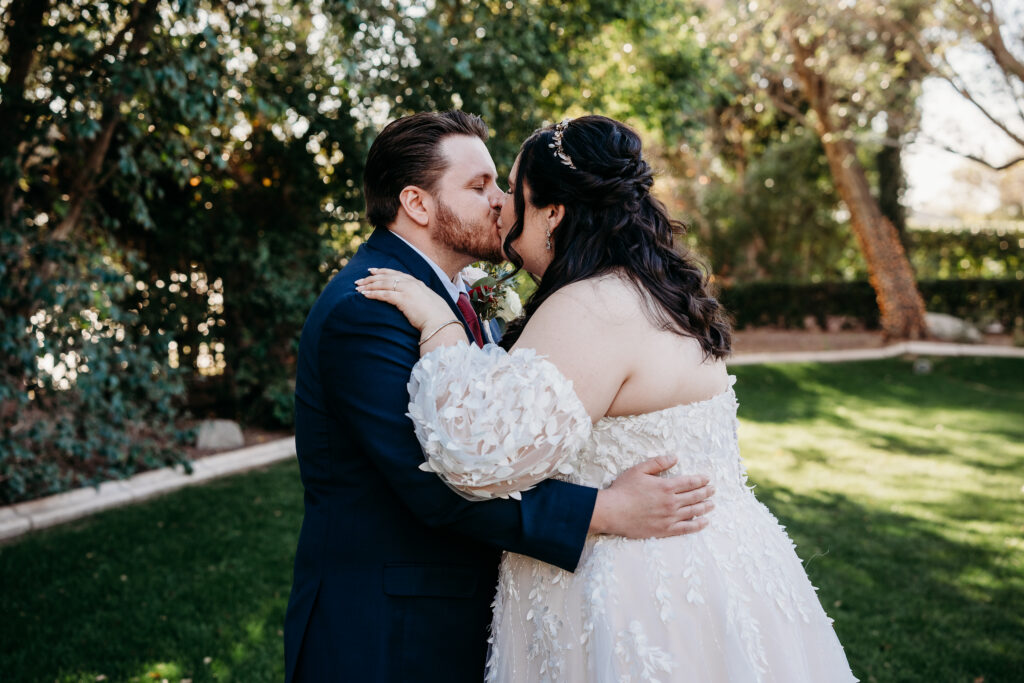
{"x":394,"y":572}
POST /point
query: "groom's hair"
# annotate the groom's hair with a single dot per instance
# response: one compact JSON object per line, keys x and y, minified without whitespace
{"x":407,"y":152}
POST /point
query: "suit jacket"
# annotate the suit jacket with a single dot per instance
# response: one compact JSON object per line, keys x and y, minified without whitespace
{"x":394,"y":572}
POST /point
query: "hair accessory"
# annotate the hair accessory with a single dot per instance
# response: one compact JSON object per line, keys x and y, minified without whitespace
{"x":557,"y":144}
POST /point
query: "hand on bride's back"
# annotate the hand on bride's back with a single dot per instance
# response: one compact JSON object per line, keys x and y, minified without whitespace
{"x":641,"y":504}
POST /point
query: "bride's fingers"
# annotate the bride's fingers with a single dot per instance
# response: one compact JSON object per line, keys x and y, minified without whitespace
{"x":385,"y":295}
{"x":389,"y":283}
{"x":381,"y":278}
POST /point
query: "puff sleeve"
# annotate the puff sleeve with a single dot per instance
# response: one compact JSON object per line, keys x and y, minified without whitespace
{"x":494,"y":423}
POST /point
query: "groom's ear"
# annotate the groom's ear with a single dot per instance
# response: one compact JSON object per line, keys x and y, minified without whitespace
{"x":417,"y":204}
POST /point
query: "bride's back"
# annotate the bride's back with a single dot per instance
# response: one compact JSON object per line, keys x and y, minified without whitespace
{"x":656,"y":368}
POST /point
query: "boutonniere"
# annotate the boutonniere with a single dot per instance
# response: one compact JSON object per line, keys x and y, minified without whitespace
{"x":492,"y":296}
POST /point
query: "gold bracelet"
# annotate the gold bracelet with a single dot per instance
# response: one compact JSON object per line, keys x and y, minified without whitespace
{"x":427,"y":338}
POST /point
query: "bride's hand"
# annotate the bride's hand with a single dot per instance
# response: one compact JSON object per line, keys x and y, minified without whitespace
{"x":418,"y":303}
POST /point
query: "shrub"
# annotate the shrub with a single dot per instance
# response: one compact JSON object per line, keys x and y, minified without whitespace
{"x":948,"y":254}
{"x":781,"y":304}
{"x":87,"y":393}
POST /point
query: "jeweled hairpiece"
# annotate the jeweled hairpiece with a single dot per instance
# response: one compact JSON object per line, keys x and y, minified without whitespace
{"x":557,"y":144}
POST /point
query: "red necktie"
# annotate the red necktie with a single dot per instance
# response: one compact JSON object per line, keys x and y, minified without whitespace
{"x":470,"y":315}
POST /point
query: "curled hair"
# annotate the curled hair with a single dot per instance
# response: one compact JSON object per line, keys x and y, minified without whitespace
{"x":613,"y":224}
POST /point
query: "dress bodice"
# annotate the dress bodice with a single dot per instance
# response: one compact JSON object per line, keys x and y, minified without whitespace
{"x":701,"y":435}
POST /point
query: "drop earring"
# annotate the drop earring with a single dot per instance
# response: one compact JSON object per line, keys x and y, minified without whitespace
{"x":548,"y":235}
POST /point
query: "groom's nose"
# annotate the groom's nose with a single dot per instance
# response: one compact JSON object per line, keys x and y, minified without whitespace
{"x":497,"y":198}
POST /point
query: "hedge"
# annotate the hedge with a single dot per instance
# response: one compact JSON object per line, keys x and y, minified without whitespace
{"x":780,"y":304}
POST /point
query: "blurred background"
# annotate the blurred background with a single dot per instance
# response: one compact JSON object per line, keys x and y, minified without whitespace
{"x":180,"y":178}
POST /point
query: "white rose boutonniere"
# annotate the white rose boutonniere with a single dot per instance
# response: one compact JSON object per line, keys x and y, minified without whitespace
{"x":492,"y":296}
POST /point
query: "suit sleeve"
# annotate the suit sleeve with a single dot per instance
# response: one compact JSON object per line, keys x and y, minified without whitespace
{"x":366,"y":354}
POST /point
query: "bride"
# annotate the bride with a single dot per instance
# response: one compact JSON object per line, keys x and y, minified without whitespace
{"x":617,"y":358}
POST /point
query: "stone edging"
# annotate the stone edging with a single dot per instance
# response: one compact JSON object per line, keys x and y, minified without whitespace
{"x":33,"y":515}
{"x":918,"y":348}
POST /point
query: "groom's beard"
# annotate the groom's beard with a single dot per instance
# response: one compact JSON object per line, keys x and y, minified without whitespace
{"x":479,"y":239}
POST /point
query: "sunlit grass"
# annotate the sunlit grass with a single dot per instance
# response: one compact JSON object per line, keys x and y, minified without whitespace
{"x":903,"y":492}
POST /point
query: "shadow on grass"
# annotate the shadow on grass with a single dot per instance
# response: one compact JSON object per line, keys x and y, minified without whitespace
{"x":792,"y":392}
{"x":909,"y":603}
{"x":193,"y":585}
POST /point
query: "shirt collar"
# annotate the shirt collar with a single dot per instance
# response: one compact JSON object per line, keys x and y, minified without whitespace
{"x":453,"y":288}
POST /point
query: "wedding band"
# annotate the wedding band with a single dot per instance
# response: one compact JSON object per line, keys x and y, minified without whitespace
{"x":395,"y":285}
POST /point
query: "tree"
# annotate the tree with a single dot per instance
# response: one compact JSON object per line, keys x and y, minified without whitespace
{"x":977,"y":48}
{"x":167,"y":171}
{"x":826,"y":67}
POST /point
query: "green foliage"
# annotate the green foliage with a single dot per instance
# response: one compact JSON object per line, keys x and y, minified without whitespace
{"x":176,"y":165}
{"x":783,"y":304}
{"x":952,"y":254}
{"x":119,"y":417}
{"x":778,"y":219}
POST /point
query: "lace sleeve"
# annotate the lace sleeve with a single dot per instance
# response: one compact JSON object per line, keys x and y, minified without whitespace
{"x":493,"y":424}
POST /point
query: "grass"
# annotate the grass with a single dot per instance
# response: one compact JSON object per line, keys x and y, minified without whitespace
{"x":905,"y":495}
{"x":903,"y":492}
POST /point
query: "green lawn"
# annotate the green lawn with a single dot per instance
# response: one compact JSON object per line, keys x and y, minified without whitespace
{"x":903,"y":492}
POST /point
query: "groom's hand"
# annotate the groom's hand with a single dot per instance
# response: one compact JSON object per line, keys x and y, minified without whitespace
{"x":640,"y":504}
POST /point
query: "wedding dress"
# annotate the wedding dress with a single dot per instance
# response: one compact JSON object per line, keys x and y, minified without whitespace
{"x":730,"y":603}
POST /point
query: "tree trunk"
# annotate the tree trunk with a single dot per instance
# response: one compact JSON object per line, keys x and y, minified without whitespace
{"x":899,"y":302}
{"x":891,"y":276}
{"x":22,"y":27}
{"x":891,"y":182}
{"x":84,"y":184}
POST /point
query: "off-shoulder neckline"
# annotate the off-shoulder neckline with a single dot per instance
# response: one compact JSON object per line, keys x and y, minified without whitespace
{"x":680,"y":407}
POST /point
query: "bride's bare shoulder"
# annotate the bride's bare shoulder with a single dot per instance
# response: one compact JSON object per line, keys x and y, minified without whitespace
{"x":608,"y":295}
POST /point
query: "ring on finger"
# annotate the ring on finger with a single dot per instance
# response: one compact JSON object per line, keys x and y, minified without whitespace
{"x":394,"y":285}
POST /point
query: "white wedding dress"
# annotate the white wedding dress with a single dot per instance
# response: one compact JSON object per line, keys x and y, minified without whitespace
{"x":730,"y":603}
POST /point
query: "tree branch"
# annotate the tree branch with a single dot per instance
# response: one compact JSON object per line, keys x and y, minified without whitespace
{"x":788,"y":108}
{"x":983,"y":162}
{"x":23,"y":26}
{"x":990,"y":36}
{"x":85,"y":180}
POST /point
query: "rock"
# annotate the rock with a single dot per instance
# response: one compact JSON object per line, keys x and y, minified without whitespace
{"x":995,"y":327}
{"x":951,"y":329}
{"x":922,"y":366}
{"x":811,"y":324}
{"x":219,"y":435}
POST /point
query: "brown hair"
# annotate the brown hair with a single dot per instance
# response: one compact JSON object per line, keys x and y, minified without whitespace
{"x":406,"y":153}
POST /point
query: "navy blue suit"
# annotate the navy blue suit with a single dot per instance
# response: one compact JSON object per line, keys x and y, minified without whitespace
{"x":394,"y":572}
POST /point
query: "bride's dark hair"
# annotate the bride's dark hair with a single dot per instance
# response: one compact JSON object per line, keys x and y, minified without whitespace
{"x":612,"y":223}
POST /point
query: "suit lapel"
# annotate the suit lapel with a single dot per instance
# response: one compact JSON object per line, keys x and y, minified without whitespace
{"x":385,"y":241}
